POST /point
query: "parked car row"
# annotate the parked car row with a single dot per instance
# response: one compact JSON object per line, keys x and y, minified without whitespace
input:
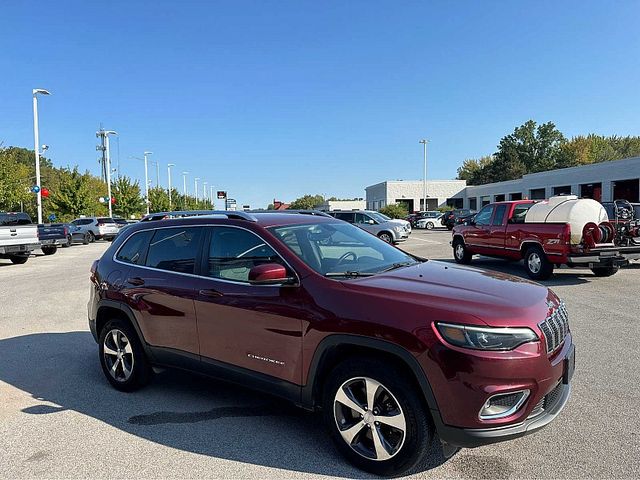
{"x":19,"y":236}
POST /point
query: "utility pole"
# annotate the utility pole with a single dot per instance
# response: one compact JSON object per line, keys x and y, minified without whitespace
{"x":146,"y":179}
{"x":103,"y":135}
{"x":424,"y":178}
{"x":184,"y":183}
{"x":36,"y":140}
{"x":169,"y":165}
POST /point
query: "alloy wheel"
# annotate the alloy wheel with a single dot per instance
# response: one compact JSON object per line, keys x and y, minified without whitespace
{"x":369,"y":418}
{"x":385,"y":237}
{"x":535,"y":262}
{"x":118,"y":355}
{"x":459,"y":251}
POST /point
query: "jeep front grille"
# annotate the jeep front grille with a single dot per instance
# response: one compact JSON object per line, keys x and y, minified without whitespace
{"x":555,"y":327}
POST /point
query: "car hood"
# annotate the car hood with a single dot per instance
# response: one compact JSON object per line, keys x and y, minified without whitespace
{"x":462,"y":294}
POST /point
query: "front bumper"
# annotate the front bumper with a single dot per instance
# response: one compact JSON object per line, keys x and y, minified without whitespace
{"x":476,"y":437}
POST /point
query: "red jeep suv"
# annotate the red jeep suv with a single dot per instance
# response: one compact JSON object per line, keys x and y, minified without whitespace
{"x":329,"y":317}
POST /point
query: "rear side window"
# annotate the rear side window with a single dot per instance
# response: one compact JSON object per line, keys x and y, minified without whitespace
{"x":105,"y":220}
{"x":347,"y":217}
{"x":233,"y":252}
{"x":499,"y":216}
{"x":520,"y":212}
{"x":133,"y":249}
{"x":175,"y":249}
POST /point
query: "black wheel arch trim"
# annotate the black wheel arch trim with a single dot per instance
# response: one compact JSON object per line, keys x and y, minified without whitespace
{"x":310,"y":390}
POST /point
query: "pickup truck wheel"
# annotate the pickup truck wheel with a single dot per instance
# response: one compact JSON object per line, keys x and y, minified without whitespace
{"x":376,"y":419}
{"x":49,"y":249}
{"x":19,"y":259}
{"x":537,"y":264}
{"x":460,"y":252}
{"x":385,"y":237}
{"x":122,"y":357}
{"x":604,"y":271}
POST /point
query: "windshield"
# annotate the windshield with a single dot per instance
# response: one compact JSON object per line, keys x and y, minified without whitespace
{"x":379,"y":217}
{"x":341,"y":249}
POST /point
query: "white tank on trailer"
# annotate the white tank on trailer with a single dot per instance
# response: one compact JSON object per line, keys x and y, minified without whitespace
{"x":577,"y":212}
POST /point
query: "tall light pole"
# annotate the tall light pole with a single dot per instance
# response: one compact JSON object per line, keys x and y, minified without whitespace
{"x":204,"y":190}
{"x":196,"y":182}
{"x":213,"y":205}
{"x":146,"y":179}
{"x":106,"y":138}
{"x":424,"y":179}
{"x":158,"y":174}
{"x":36,"y":140}
{"x":169,"y":165}
{"x":184,"y":183}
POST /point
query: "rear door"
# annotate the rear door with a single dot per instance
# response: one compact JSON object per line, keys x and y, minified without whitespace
{"x":256,"y":327}
{"x":160,"y":285}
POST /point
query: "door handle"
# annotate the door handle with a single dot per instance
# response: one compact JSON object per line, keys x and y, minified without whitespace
{"x":135,"y":281}
{"x":210,"y":293}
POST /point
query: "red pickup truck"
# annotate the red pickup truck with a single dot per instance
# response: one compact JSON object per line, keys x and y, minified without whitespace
{"x":499,"y":230}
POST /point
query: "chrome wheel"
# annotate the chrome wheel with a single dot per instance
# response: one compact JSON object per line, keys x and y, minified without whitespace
{"x":369,"y":418}
{"x":535,"y":262}
{"x":459,"y":251}
{"x":430,"y":226}
{"x":118,"y":355}
{"x":385,"y":237}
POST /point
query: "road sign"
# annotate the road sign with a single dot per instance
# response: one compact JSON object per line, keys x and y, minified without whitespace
{"x":222,"y":194}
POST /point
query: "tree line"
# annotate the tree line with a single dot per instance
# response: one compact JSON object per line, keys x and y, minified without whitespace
{"x":535,"y":148}
{"x":73,"y":193}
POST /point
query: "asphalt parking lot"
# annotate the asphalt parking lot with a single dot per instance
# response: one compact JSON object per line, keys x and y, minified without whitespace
{"x":60,"y":418}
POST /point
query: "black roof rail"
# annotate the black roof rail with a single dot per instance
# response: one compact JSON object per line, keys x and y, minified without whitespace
{"x":235,"y":215}
{"x":299,"y":212}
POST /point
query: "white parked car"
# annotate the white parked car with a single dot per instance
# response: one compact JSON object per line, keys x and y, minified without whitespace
{"x":429,"y":220}
{"x":96,"y":228}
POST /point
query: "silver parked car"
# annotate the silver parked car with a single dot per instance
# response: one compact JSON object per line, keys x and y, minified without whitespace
{"x":96,"y":228}
{"x":387,"y":229}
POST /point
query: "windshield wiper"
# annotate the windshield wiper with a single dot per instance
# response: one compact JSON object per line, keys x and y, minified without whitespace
{"x":397,"y":265}
{"x":348,"y":274}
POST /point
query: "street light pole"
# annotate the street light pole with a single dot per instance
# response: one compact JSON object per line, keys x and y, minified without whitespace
{"x":169,"y":165}
{"x":211,"y":197}
{"x":106,"y":138}
{"x":424,"y":178}
{"x":36,"y":139}
{"x":146,"y":179}
{"x":184,"y":183}
{"x":196,"y":181}
{"x":158,"y":174}
{"x":204,"y":190}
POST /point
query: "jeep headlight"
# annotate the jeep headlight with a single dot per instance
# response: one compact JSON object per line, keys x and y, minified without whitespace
{"x":486,"y":338}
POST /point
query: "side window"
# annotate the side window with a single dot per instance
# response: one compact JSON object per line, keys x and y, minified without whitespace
{"x":174,"y":249}
{"x":134,"y":247}
{"x":519,"y":212}
{"x":499,"y":216}
{"x":361,"y":218}
{"x":347,"y":217}
{"x":233,"y":252}
{"x":484,"y":216}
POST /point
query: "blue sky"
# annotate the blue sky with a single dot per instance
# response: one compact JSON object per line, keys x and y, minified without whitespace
{"x":272,"y":99}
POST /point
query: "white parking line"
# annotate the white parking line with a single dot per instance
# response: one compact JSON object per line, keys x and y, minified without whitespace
{"x":426,"y":241}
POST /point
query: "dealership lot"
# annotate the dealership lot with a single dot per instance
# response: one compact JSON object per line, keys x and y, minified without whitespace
{"x":60,"y":418}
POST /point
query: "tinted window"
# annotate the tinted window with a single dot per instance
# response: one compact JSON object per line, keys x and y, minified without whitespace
{"x":174,"y":249}
{"x":233,"y":252}
{"x":133,"y":248}
{"x":484,"y":216}
{"x":105,"y":220}
{"x":364,"y":219}
{"x":11,"y":219}
{"x":497,"y":218}
{"x":82,"y":221}
{"x":519,"y":212}
{"x":347,"y":217}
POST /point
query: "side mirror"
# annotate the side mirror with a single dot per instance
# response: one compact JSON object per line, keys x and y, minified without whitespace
{"x":269,"y":274}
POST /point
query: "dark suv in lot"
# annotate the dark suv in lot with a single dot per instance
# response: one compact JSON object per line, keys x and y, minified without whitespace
{"x":329,"y":317}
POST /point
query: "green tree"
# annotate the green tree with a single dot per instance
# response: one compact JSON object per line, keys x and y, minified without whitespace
{"x":75,"y":195}
{"x":128,"y":199}
{"x":475,"y":171}
{"x":158,"y":200}
{"x":306,"y":202}
{"x":14,"y":182}
{"x":395,"y":210}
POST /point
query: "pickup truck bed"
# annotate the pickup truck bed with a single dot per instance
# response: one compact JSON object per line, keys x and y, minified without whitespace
{"x":499,"y":231}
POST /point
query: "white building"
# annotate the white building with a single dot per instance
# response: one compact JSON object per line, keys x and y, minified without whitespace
{"x":410,"y":193}
{"x":331,"y":205}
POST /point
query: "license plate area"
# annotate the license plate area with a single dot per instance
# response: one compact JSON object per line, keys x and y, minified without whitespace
{"x":569,"y":366}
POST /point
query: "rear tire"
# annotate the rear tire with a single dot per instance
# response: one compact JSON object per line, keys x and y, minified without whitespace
{"x":537,"y":264}
{"x":19,"y":259}
{"x":605,"y":271}
{"x":69,"y":242}
{"x":460,"y":253}
{"x":122,"y":357}
{"x":49,"y":249}
{"x":397,"y":450}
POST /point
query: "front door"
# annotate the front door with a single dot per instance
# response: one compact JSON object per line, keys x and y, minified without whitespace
{"x":477,"y":236}
{"x":256,"y":327}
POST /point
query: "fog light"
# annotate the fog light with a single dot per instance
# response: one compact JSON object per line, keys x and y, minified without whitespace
{"x":503,"y":405}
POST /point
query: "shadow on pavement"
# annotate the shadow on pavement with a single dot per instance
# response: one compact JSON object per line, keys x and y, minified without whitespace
{"x":180,"y":410}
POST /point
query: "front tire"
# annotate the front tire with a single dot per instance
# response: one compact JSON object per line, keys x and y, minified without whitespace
{"x":605,"y":271}
{"x":460,"y":253}
{"x":385,"y":237}
{"x":122,"y":357}
{"x":429,"y":226}
{"x":376,"y":419}
{"x":537,"y":264}
{"x":49,"y":249}
{"x":91,"y":237}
